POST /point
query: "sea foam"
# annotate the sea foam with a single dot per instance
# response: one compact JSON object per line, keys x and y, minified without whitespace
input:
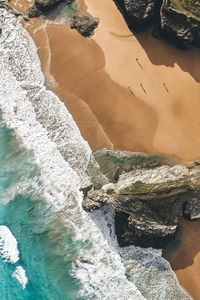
{"x":8,"y":246}
{"x":43,"y":124}
{"x":20,"y":275}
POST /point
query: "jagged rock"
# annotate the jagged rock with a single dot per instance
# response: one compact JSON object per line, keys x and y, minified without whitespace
{"x":85,"y":25}
{"x":94,"y":200}
{"x":138,"y":13}
{"x":176,"y":20}
{"x":192,"y":208}
{"x":41,"y":6}
{"x":148,"y":202}
{"x":179,"y":24}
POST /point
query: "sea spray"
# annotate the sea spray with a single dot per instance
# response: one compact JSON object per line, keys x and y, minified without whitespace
{"x":104,"y":270}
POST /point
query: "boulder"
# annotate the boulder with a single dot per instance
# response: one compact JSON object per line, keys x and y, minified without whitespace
{"x":84,"y":24}
{"x":40,"y":7}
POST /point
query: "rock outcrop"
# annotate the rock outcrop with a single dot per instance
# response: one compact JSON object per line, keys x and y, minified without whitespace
{"x":176,"y":20}
{"x":148,"y":200}
{"x":40,"y":7}
{"x":179,"y":24}
{"x":138,"y":13}
{"x":82,"y":22}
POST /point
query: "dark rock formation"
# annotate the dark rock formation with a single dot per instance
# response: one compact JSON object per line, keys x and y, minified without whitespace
{"x":179,"y":24}
{"x":39,"y":7}
{"x":139,"y":13}
{"x":176,"y":20}
{"x":84,"y":24}
{"x":148,"y":201}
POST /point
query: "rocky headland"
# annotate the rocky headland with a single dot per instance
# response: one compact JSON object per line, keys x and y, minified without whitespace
{"x":148,"y":194}
{"x":178,"y":21}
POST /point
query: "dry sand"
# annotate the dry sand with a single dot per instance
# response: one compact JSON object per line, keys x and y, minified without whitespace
{"x":103,"y":81}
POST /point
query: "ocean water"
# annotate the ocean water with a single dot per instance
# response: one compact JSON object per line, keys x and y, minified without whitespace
{"x":36,"y":231}
{"x":63,"y":252}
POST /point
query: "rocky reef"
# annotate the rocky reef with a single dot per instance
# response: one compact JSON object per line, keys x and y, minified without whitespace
{"x":82,"y":22}
{"x":178,"y":21}
{"x":148,"y":195}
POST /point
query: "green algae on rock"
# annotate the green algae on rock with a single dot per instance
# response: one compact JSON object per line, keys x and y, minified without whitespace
{"x":148,"y":200}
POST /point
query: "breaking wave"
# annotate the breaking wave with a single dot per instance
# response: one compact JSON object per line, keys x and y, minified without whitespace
{"x":8,"y":246}
{"x":43,"y":125}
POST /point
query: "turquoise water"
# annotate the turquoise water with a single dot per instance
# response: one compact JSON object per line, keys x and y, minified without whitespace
{"x":46,"y":252}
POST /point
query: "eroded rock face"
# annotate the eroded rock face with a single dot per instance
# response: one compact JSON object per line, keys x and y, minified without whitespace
{"x":176,"y":20}
{"x":39,"y":7}
{"x":82,"y":22}
{"x":85,"y":25}
{"x":149,"y":200}
{"x":139,"y":13}
{"x":179,"y":24}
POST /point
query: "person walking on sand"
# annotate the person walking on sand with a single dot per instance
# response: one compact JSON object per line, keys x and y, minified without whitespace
{"x":137,"y":60}
{"x":165,"y":87}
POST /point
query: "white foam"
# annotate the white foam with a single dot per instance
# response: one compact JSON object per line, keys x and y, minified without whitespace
{"x":20,"y":275}
{"x":44,"y":125}
{"x":8,"y":246}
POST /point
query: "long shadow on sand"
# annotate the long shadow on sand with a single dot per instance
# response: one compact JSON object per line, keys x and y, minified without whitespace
{"x":161,"y":52}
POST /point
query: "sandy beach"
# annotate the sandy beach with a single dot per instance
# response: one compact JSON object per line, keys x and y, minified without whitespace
{"x":138,"y":93}
{"x":129,"y":92}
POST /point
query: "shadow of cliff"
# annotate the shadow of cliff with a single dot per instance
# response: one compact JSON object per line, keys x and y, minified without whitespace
{"x":162,"y":52}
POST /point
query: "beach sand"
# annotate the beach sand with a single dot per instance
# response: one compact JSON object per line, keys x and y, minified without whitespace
{"x":129,"y":92}
{"x":138,"y":93}
{"x":185,"y":261}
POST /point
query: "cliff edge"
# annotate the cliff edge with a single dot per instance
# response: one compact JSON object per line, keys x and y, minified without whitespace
{"x":148,"y":198}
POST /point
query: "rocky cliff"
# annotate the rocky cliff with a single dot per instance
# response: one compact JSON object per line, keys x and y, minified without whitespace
{"x":148,"y":197}
{"x":176,"y":20}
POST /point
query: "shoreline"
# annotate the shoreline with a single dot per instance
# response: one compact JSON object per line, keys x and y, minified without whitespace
{"x":102,"y":89}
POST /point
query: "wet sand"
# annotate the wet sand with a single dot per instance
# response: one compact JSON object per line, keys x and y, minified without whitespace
{"x":185,"y":261}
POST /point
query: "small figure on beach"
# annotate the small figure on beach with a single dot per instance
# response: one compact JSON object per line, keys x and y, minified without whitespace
{"x":165,"y":87}
{"x":137,"y":60}
{"x":131,"y":90}
{"x":143,"y":88}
